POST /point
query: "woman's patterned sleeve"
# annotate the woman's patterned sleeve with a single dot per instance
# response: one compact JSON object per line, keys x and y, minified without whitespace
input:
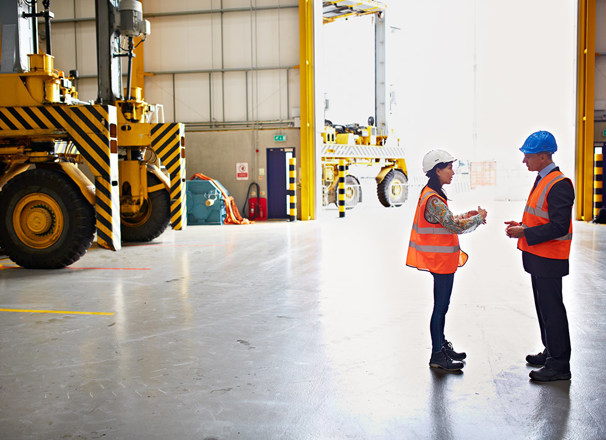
{"x":437,"y":211}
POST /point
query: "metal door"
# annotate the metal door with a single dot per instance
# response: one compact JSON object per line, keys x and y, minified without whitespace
{"x":277,"y":181}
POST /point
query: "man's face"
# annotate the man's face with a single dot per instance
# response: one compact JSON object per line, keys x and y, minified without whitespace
{"x":535,"y":161}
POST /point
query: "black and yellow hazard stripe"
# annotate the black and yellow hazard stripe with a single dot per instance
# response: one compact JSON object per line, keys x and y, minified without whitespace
{"x":598,"y":183}
{"x":292,"y":189}
{"x":92,"y":129}
{"x":341,"y":188}
{"x":168,"y":141}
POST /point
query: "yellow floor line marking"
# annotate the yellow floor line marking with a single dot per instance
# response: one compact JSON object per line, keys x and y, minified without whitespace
{"x":65,"y":312}
{"x":83,"y":268}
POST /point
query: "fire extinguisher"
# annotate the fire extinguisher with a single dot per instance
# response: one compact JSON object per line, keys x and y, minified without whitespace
{"x":253,"y":210}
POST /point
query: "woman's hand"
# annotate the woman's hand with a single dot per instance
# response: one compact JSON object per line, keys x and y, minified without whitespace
{"x":483,"y":213}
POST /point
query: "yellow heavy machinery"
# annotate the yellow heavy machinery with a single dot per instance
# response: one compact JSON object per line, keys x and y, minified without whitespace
{"x":49,"y":209}
{"x":362,"y":145}
{"x":373,"y":144}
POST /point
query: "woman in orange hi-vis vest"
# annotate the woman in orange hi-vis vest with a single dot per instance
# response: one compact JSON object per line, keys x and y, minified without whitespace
{"x":434,"y":247}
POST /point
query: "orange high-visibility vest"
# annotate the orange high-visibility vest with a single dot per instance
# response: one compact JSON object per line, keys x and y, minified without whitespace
{"x":536,"y":213}
{"x":432,"y":247}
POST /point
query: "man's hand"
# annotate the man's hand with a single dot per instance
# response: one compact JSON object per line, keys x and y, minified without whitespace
{"x":514,"y":230}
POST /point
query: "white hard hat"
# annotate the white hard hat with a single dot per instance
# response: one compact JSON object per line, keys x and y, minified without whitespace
{"x":435,"y":157}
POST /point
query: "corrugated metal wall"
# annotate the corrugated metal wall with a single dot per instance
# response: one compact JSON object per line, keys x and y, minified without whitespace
{"x":219,"y":62}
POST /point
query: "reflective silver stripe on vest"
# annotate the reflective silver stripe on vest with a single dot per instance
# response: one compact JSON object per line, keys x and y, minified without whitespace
{"x":562,"y":238}
{"x":436,"y":249}
{"x":421,"y":200}
{"x":428,"y":195}
{"x":537,"y":211}
{"x":431,"y":230}
{"x":565,"y":237}
{"x":547,"y":188}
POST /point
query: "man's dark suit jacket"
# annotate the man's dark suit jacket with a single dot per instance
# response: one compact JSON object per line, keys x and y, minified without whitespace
{"x":559,"y":201}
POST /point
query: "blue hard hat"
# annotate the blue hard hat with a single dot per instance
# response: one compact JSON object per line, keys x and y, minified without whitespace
{"x":539,"y":141}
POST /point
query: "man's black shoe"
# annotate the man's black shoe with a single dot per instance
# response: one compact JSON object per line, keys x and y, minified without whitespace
{"x":441,"y":360}
{"x":449,"y":349}
{"x":537,"y":359}
{"x":547,"y":375}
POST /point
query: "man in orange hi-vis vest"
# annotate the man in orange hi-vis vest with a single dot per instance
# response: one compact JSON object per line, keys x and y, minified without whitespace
{"x":544,"y":237}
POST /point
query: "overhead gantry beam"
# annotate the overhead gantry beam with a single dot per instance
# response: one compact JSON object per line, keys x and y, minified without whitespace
{"x":334,"y":10}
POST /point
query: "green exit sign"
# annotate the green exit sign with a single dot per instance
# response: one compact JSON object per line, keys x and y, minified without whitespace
{"x":604,"y":133}
{"x":282,"y":137}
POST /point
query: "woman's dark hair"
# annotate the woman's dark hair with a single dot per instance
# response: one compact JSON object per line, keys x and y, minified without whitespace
{"x":434,"y":180}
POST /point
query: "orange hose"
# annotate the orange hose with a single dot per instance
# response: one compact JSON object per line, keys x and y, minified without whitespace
{"x":233,"y":215}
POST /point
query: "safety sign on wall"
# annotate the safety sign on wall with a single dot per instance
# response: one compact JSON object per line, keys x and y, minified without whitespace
{"x":242,"y":170}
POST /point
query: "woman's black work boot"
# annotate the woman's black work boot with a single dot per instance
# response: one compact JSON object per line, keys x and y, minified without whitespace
{"x":441,"y":360}
{"x":452,"y":354}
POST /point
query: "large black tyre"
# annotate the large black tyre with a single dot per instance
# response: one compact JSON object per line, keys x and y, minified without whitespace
{"x":393,"y":189}
{"x":153,"y":217}
{"x":353,"y":192}
{"x":45,"y":221}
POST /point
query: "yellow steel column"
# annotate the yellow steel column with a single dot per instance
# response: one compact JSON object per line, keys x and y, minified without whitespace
{"x":306,"y":71}
{"x":585,"y":109}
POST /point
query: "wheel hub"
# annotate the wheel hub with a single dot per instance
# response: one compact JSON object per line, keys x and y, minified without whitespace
{"x":38,"y":220}
{"x":139,"y":216}
{"x":396,"y":188}
{"x":350,"y":192}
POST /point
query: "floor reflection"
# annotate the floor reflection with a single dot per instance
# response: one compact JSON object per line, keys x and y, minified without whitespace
{"x":439,"y":404}
{"x":309,"y":330}
{"x":551,"y":411}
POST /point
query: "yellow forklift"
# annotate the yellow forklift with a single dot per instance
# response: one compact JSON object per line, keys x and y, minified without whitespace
{"x":49,"y":209}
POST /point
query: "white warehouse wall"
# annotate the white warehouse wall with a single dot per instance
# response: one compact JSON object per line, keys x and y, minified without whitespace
{"x":518,"y":75}
{"x":347,"y":71}
{"x":475,"y":77}
{"x":258,"y":50}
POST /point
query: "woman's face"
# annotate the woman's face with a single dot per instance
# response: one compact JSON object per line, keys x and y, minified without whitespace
{"x":445,"y":174}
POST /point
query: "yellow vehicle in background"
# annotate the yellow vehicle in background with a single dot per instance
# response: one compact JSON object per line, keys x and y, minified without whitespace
{"x":50,"y":209}
{"x":371,"y":144}
{"x":362,"y":145}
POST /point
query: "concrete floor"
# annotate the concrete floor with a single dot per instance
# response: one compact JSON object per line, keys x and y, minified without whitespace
{"x":312,"y":330}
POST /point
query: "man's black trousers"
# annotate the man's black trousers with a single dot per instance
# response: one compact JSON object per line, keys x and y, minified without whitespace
{"x":552,"y":321}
